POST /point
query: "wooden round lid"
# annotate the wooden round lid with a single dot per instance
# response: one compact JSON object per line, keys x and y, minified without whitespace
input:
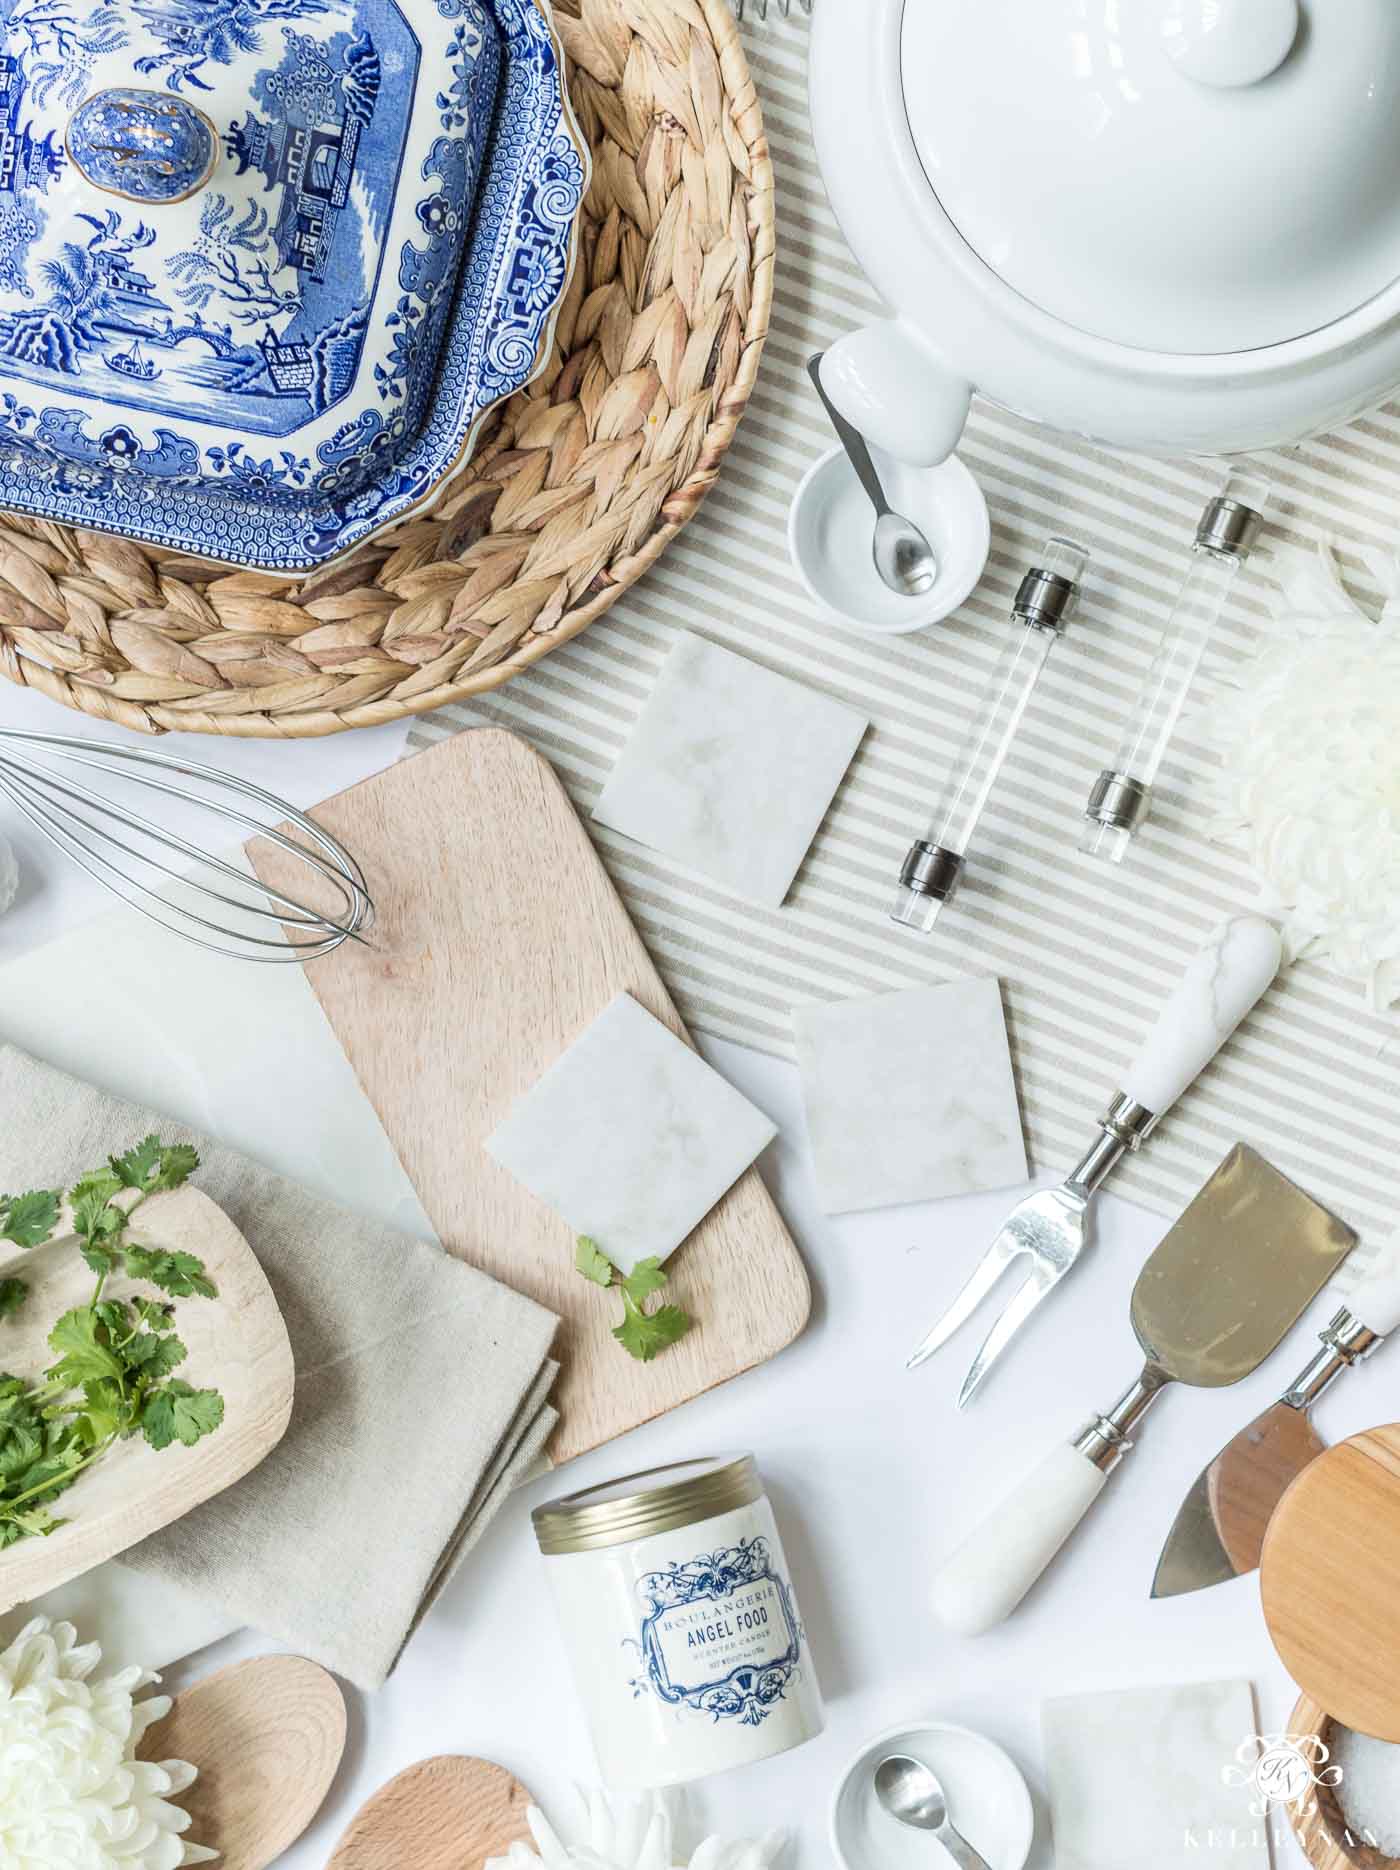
{"x":1328,"y":1577}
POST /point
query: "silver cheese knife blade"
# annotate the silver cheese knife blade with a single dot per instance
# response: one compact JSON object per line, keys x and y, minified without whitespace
{"x":1219,"y":1532}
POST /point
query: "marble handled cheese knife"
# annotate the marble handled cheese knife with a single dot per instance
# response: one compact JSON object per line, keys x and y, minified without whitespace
{"x":1049,"y":1230}
{"x":1217,"y":1294}
{"x":1219,"y":1532}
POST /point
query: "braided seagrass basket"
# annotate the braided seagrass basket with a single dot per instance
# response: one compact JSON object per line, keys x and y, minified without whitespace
{"x":578,"y":484}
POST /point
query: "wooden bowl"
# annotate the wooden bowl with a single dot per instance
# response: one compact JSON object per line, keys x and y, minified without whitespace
{"x":1319,"y":1826}
{"x":237,"y":1344}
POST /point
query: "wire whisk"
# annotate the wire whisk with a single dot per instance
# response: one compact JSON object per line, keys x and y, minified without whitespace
{"x":758,"y":9}
{"x":99,"y":824}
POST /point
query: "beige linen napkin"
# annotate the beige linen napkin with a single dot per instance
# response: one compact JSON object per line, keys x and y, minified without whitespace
{"x":421,"y":1390}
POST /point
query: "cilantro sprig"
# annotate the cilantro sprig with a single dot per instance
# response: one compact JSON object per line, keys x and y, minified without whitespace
{"x":642,"y":1333}
{"x":114,"y":1359}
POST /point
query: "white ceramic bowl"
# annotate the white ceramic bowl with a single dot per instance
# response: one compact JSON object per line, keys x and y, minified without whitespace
{"x":831,"y":526}
{"x":987,"y":1801}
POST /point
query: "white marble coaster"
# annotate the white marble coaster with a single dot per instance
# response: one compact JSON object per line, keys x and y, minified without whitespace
{"x":730,"y":770}
{"x":631,"y":1136}
{"x":910,"y":1096}
{"x":1138,"y":1780}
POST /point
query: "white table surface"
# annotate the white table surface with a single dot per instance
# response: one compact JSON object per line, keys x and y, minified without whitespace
{"x":872,"y":1473}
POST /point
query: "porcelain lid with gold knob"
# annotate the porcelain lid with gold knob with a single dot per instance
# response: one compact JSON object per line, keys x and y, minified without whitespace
{"x":231,"y":234}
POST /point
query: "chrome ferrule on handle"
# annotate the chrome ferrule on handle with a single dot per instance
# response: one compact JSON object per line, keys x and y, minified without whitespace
{"x":1124,"y":1127}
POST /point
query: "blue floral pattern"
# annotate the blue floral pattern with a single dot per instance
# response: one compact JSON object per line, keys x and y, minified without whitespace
{"x":456,"y":336}
{"x":719,"y":1634}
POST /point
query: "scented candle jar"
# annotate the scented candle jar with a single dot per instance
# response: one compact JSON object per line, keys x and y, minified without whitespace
{"x":680,"y":1621}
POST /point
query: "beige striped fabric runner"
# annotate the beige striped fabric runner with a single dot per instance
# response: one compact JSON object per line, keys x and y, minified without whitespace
{"x":1085,"y":953}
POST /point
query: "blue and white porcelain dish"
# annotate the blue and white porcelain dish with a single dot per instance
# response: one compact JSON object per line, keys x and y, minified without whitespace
{"x":265,"y":264}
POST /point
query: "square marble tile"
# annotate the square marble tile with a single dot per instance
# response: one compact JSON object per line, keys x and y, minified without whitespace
{"x":1137,"y":1779}
{"x":630,"y":1136}
{"x":910,"y":1096}
{"x":730,"y":770}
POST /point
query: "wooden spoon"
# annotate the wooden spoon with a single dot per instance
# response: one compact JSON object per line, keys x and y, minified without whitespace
{"x":448,"y":1813}
{"x":267,"y":1737}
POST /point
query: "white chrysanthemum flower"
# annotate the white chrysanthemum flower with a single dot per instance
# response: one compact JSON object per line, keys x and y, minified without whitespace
{"x":1308,"y":731}
{"x":73,"y":1795}
{"x":637,"y":1833}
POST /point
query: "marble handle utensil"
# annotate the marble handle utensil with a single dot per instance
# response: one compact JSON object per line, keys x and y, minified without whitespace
{"x":1049,"y":1230}
{"x":1217,"y":1294}
{"x":1220,"y":986}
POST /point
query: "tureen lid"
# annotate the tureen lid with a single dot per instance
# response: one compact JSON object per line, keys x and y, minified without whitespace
{"x":230,"y":230}
{"x":1176,"y":175}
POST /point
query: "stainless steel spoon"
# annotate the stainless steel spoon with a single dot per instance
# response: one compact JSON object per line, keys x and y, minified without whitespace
{"x":910,"y":1792}
{"x":903,"y":557}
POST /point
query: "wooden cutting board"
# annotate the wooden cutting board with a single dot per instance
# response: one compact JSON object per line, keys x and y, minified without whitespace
{"x":498,"y":938}
{"x":1328,"y":1578}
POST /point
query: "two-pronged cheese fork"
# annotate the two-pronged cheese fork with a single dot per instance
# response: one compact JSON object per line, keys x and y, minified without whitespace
{"x":1048,"y":1230}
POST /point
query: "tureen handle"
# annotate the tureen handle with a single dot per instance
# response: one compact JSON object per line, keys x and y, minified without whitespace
{"x":897,"y":390}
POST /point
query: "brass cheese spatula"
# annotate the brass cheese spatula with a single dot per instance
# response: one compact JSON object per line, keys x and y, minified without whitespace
{"x":1217,"y":1294}
{"x":1219,"y":1532}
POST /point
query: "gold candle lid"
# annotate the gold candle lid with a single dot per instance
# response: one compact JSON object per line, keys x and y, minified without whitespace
{"x":639,"y":1505}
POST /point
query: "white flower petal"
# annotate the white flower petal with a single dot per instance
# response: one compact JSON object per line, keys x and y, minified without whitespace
{"x":72,"y":1794}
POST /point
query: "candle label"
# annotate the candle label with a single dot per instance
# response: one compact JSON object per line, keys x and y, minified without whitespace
{"x":719,"y":1634}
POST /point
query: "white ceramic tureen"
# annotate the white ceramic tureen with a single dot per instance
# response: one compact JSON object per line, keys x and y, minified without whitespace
{"x":1170,"y":225}
{"x":264,"y":263}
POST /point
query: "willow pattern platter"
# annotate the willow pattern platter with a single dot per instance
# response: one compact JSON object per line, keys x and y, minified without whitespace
{"x":265,"y":264}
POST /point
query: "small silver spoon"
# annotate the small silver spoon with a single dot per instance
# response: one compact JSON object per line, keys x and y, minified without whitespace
{"x":910,"y":1792}
{"x":903,"y":557}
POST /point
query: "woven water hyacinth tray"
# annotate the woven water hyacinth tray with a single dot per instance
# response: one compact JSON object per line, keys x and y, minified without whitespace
{"x":578,"y":484}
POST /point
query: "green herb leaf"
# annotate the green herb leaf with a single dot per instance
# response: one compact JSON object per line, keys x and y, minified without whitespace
{"x":178,"y":1165}
{"x":20,"y":1447}
{"x":153,"y":1358}
{"x":178,"y":1273}
{"x":94,"y":1216}
{"x":179,"y":1413}
{"x":37,"y":1522}
{"x":139,"y":1167}
{"x":645,"y":1278}
{"x":28,"y":1220}
{"x":84,"y":1356}
{"x":114,"y":1357}
{"x":592,"y":1262}
{"x":104,"y":1414}
{"x":153,"y":1165}
{"x":99,"y":1186}
{"x":642,"y":1334}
